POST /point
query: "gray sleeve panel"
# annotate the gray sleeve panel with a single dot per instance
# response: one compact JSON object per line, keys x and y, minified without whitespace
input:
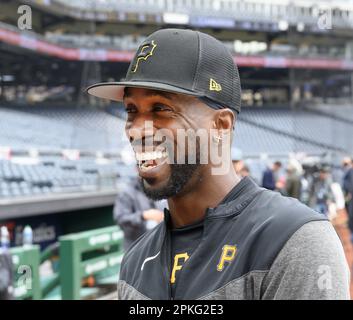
{"x":311,"y":265}
{"x":127,"y":292}
{"x":247,"y":287}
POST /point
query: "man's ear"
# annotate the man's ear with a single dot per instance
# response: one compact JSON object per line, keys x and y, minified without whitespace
{"x":225,"y":120}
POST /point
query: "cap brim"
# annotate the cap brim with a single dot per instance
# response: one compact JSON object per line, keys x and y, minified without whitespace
{"x":115,"y":90}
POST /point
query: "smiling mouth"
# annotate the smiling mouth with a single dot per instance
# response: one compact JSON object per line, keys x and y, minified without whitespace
{"x":150,"y":160}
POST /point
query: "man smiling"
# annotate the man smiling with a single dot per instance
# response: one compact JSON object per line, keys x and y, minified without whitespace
{"x":222,"y":237}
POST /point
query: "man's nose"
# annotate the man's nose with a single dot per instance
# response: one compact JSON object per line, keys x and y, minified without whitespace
{"x":140,"y":128}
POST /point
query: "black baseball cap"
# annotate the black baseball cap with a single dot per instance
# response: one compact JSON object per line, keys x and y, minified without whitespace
{"x":180,"y":61}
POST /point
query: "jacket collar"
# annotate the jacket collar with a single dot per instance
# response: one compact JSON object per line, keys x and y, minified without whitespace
{"x":246,"y":191}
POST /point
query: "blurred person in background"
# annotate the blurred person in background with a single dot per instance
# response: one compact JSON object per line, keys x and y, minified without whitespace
{"x":293,"y":180}
{"x":347,"y":164}
{"x":338,"y":206}
{"x":310,"y":170}
{"x":6,"y":267}
{"x":320,"y":192}
{"x":6,"y":276}
{"x":244,"y":171}
{"x":270,"y":177}
{"x":135,"y":213}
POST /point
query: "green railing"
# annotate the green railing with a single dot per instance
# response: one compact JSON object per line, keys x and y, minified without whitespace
{"x":88,"y":253}
{"x":26,"y":272}
{"x":97,"y":252}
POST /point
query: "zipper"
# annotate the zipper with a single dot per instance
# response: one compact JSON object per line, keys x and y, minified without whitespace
{"x":187,"y":262}
{"x":167,"y":253}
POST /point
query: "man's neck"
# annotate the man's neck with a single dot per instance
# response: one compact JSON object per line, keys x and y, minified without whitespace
{"x":208,"y":192}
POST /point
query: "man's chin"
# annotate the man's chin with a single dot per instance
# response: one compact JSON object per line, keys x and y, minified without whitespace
{"x":172,"y":184}
{"x":155,"y":190}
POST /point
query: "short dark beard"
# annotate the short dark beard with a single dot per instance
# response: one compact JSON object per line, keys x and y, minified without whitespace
{"x":179,"y":177}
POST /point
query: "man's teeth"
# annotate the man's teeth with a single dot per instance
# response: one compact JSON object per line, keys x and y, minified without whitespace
{"x":154,"y":155}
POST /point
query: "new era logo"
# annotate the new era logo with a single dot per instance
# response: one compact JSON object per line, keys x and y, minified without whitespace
{"x":214,"y":86}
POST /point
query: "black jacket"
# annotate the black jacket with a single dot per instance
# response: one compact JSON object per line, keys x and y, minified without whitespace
{"x":258,"y":222}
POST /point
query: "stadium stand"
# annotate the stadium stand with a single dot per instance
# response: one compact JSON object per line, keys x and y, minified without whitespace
{"x":131,"y":43}
{"x":343,"y":113}
{"x":91,"y":133}
{"x":314,"y":129}
{"x":69,"y":129}
{"x":258,"y":11}
{"x":92,"y":130}
{"x":54,"y":176}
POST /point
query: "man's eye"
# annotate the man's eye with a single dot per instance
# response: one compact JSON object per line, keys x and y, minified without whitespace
{"x":130,"y":109}
{"x":160,"y":107}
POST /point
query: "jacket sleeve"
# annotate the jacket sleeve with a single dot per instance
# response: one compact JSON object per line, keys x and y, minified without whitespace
{"x":311,"y":266}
